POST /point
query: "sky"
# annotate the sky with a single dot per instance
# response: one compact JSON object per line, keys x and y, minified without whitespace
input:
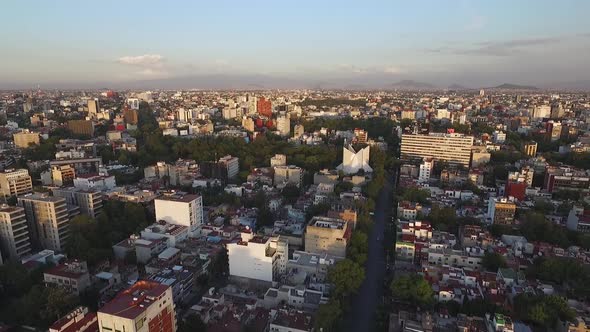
{"x":366,"y":43}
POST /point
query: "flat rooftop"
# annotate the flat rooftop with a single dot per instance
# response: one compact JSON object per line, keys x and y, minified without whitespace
{"x":179,"y":198}
{"x":135,"y":300}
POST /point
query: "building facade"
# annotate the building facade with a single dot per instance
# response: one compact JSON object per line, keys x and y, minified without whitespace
{"x":48,"y":219}
{"x":452,"y":148}
{"x":14,"y":232}
{"x":184,"y":210}
{"x":327,"y":235}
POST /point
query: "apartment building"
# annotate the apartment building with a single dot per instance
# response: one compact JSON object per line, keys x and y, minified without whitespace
{"x":48,"y":219}
{"x":452,"y":148}
{"x":501,"y":210}
{"x":14,"y":233}
{"x":181,"y":209}
{"x":62,"y":175}
{"x":15,"y":182}
{"x":25,"y":138}
{"x":147,"y":306}
{"x":72,"y":275}
{"x":327,"y":235}
{"x":90,"y":202}
{"x":288,"y":175}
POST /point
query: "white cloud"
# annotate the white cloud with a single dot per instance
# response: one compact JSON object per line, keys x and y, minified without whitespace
{"x":146,"y":60}
{"x":392,"y":70}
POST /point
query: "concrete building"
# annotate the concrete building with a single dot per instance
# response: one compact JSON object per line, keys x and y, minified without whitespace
{"x":452,"y":148}
{"x":15,"y":182}
{"x":63,"y":175}
{"x":278,"y":160}
{"x":173,"y":234}
{"x":95,"y":182}
{"x":291,"y":320}
{"x":312,"y":265}
{"x":425,"y":170}
{"x":147,"y":306}
{"x":248,"y":124}
{"x":325,"y":235}
{"x":288,"y":174}
{"x":257,"y":258}
{"x":298,"y":131}
{"x":133,"y":103}
{"x":284,"y":125}
{"x":541,"y":111}
{"x":184,"y":210}
{"x":501,"y":211}
{"x":566,"y":178}
{"x":89,"y":201}
{"x":231,"y":164}
{"x":354,"y":161}
{"x":264,"y":107}
{"x":179,"y":279}
{"x":81,"y":127}
{"x":25,"y":138}
{"x":93,"y":107}
{"x":361,"y":136}
{"x":498,"y":137}
{"x":525,"y":175}
{"x":78,"y":320}
{"x":530,"y":149}
{"x":480,"y":156}
{"x":130,"y":115}
{"x":14,"y":233}
{"x":578,"y":219}
{"x":48,"y":219}
{"x":72,"y":276}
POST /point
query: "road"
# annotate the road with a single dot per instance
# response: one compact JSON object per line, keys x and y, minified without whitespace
{"x":364,"y":306}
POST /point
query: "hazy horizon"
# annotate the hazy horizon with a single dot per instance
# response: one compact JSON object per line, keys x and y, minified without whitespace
{"x":329,"y":44}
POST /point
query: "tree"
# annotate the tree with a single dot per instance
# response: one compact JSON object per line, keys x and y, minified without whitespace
{"x":358,"y":247}
{"x":493,"y":261}
{"x":413,"y":289}
{"x":192,"y":323}
{"x":291,"y":193}
{"x":328,"y":315}
{"x":346,"y":276}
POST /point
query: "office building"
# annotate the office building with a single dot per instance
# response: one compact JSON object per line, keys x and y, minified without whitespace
{"x":264,"y":107}
{"x":147,"y":306}
{"x":81,"y":127}
{"x":72,"y":275}
{"x":90,"y":202}
{"x":354,"y":161}
{"x":257,"y":258}
{"x":15,"y":182}
{"x":231,"y":165}
{"x":501,"y":210}
{"x":566,"y":178}
{"x":48,"y":219}
{"x":288,"y":175}
{"x":530,"y":149}
{"x":25,"y":138}
{"x":185,"y":210}
{"x":93,"y":107}
{"x":284,"y":125}
{"x":14,"y":233}
{"x":63,"y":175}
{"x":425,"y":170}
{"x":278,"y":160}
{"x":325,"y":235}
{"x":541,"y":111}
{"x":452,"y":148}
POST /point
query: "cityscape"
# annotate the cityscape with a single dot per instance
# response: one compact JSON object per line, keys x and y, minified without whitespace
{"x":295,"y":182}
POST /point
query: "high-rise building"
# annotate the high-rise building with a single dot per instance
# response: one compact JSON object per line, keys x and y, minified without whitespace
{"x":284,"y":125}
{"x":89,"y":201}
{"x":541,"y":111}
{"x":501,"y":210}
{"x":360,"y":136}
{"x":530,"y":149}
{"x":15,"y":182}
{"x":248,"y":124}
{"x":49,"y":220}
{"x":133,"y":103}
{"x":81,"y":127}
{"x":325,"y":235}
{"x":130,"y":115}
{"x":14,"y":232}
{"x":147,"y":306}
{"x":264,"y":107}
{"x":354,"y":161}
{"x":288,"y":175}
{"x":452,"y":148}
{"x":25,"y":138}
{"x":557,"y":111}
{"x":184,"y":210}
{"x":425,"y":170}
{"x":231,"y":164}
{"x":258,"y":258}
{"x":553,"y":130}
{"x":93,"y":107}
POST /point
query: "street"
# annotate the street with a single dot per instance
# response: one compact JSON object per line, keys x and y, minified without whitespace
{"x":364,"y":305}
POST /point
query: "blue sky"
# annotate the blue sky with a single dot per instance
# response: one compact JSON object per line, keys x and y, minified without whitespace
{"x":440,"y":41}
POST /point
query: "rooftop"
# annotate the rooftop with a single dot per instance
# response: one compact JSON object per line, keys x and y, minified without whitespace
{"x":135,"y":300}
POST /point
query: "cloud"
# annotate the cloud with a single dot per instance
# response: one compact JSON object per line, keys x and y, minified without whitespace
{"x":146,"y":60}
{"x":392,"y":70}
{"x":496,"y":48}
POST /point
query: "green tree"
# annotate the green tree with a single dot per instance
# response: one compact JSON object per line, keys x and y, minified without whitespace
{"x":493,"y":261}
{"x":358,"y":247}
{"x":328,"y":315}
{"x":192,"y":323}
{"x":346,"y":276}
{"x":291,"y":193}
{"x":413,"y":289}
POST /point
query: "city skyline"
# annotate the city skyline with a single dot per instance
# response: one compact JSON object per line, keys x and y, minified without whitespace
{"x":262,"y":44}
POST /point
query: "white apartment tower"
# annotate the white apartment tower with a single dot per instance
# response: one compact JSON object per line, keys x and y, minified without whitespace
{"x":14,"y":232}
{"x":184,"y":210}
{"x":425,"y":170}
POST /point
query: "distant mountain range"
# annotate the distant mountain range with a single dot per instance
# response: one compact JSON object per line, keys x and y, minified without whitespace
{"x":511,"y":86}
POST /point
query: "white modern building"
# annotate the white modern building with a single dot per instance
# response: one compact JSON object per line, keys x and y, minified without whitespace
{"x":258,"y":258}
{"x":425,"y":170}
{"x":185,"y":210}
{"x":353,"y":161}
{"x":94,"y":181}
{"x":232,"y":165}
{"x":284,"y":125}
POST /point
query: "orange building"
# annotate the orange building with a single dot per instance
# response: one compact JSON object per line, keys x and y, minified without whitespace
{"x":264,"y":107}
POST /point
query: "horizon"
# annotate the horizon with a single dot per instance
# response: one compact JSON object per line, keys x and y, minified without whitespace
{"x":328,"y":45}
